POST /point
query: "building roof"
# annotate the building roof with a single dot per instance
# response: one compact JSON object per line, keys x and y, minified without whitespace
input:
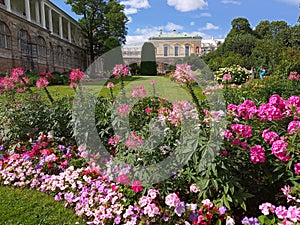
{"x":174,"y":36}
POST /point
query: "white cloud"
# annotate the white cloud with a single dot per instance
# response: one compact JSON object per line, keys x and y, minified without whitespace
{"x":209,"y":26}
{"x":128,"y":11}
{"x":173,"y":26}
{"x":143,"y":34}
{"x":231,"y":2}
{"x":136,"y":3}
{"x":132,"y":6}
{"x":205,"y":15}
{"x":192,"y":23}
{"x":293,"y":2}
{"x":187,"y":5}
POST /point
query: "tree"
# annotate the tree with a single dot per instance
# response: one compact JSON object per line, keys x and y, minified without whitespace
{"x":101,"y":20}
{"x":240,"y":26}
{"x":148,"y":59}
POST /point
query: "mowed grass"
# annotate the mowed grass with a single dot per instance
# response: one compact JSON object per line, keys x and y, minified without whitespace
{"x":163,"y":88}
{"x":30,"y":207}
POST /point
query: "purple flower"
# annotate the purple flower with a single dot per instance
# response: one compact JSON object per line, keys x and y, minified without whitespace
{"x":250,"y":221}
{"x":180,"y":209}
{"x":222,"y":210}
{"x":1,"y":147}
{"x":61,"y":147}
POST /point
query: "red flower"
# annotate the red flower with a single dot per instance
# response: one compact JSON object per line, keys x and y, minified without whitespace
{"x":137,"y":186}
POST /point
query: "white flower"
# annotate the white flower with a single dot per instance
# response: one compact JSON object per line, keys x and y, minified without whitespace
{"x":229,"y":221}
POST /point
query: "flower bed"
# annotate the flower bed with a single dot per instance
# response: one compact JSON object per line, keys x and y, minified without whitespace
{"x":254,"y":161}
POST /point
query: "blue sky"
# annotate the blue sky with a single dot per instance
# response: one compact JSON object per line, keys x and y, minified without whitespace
{"x":206,"y":18}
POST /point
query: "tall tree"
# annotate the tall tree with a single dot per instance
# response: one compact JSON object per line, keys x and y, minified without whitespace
{"x":101,"y":20}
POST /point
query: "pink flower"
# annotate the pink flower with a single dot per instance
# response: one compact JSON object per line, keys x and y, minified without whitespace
{"x":120,"y":70}
{"x":144,"y":200}
{"x":114,"y":140}
{"x":244,"y":130}
{"x":152,"y":82}
{"x":293,"y":213}
{"x":148,"y":110}
{"x":172,"y":200}
{"x":16,"y":73}
{"x":194,"y":188}
{"x":281,"y":212}
{"x":257,"y":154}
{"x":297,"y":168}
{"x":266,"y":208}
{"x":151,"y":210}
{"x":42,"y":82}
{"x":46,"y":74}
{"x":137,"y":186}
{"x":124,"y":110}
{"x":123,"y":179}
{"x":134,"y":141}
{"x":226,"y":77}
{"x":183,"y":74}
{"x":139,"y":92}
{"x":293,"y":127}
{"x":228,"y":135}
{"x":110,"y":85}
{"x":269,"y":112}
{"x":75,"y":76}
{"x":152,"y":193}
{"x":279,"y":150}
{"x":269,"y":137}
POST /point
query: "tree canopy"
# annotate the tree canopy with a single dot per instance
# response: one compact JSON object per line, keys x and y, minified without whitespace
{"x":270,"y":44}
{"x":103,"y":23}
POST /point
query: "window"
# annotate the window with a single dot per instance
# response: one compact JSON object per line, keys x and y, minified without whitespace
{"x":166,"y":50}
{"x":68,"y":57}
{"x":59,"y":55}
{"x":41,"y":46}
{"x":24,"y":40}
{"x":187,"y":50}
{"x":176,"y":50}
{"x":4,"y":36}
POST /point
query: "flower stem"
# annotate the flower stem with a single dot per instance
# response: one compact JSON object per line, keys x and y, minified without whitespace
{"x":49,"y":95}
{"x":196,"y":101}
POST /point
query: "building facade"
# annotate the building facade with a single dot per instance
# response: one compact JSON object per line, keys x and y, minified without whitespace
{"x":170,"y":47}
{"x":37,"y":35}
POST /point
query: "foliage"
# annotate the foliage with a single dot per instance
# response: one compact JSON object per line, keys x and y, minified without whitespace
{"x":265,"y":45}
{"x":101,"y":21}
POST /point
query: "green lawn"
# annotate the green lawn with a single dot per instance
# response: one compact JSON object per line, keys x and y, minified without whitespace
{"x":163,"y":88}
{"x":30,"y":207}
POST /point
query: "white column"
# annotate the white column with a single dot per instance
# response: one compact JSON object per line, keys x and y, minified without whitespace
{"x":43,"y":15}
{"x":27,"y":9}
{"x":8,"y":6}
{"x":50,"y":21}
{"x":69,"y":32}
{"x":61,"y":27}
{"x":37,"y":11}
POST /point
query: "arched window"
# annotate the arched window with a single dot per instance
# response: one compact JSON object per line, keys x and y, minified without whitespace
{"x":24,"y":40}
{"x":68,"y":58}
{"x":41,"y":46}
{"x":166,"y":50}
{"x":187,"y":50}
{"x":5,"y":37}
{"x":176,"y":50}
{"x":59,"y":54}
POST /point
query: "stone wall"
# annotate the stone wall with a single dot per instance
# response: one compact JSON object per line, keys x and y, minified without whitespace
{"x":33,"y":47}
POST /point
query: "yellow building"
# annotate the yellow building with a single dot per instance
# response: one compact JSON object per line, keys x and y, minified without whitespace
{"x":175,"y":45}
